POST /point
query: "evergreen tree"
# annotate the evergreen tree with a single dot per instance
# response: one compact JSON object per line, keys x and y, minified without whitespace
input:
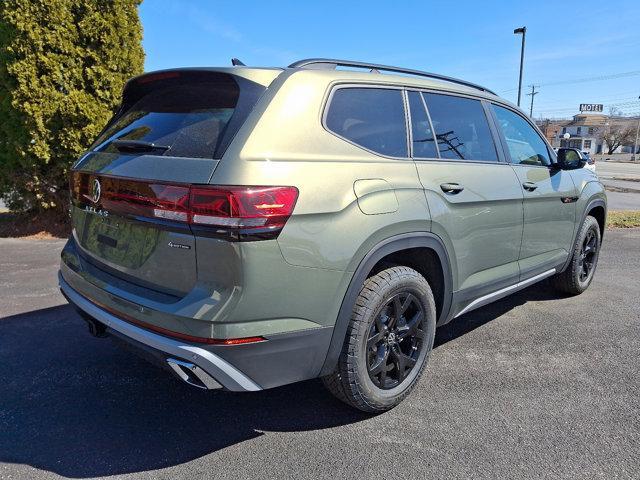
{"x":63,"y":65}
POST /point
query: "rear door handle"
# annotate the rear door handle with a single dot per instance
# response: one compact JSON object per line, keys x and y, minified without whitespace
{"x":530,"y":186}
{"x":451,"y":188}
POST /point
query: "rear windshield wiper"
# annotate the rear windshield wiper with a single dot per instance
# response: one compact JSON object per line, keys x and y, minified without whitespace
{"x":138,"y":146}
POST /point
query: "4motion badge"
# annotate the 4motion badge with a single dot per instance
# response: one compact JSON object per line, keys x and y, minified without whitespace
{"x":179,"y":245}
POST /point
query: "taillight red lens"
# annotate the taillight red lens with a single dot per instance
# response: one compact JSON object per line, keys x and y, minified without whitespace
{"x":167,"y":202}
{"x":253,"y":210}
{"x":242,"y":207}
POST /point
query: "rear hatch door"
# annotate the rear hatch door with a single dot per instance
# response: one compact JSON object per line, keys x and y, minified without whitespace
{"x":128,"y":192}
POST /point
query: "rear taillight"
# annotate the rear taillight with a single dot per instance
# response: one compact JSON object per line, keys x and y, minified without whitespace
{"x":167,"y":202}
{"x":242,"y":207}
{"x":241,"y":213}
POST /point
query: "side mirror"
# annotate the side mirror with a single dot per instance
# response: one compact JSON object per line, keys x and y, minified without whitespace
{"x":569,"y":159}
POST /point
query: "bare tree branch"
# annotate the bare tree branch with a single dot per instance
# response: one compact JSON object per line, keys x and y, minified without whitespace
{"x":616,"y":135}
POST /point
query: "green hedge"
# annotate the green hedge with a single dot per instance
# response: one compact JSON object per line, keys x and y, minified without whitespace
{"x":63,"y":64}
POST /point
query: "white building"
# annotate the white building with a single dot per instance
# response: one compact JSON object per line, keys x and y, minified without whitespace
{"x":584,"y":132}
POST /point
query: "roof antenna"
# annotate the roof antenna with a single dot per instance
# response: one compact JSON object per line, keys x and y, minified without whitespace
{"x":237,"y":63}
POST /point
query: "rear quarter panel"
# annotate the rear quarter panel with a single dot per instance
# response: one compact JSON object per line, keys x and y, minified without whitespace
{"x":284,"y":143}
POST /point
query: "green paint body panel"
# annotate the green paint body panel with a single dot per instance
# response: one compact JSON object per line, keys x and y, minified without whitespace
{"x":494,"y":232}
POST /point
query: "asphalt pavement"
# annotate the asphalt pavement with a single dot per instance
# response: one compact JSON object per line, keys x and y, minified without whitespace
{"x":536,"y":385}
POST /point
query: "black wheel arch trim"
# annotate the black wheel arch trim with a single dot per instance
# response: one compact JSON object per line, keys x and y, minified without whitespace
{"x":388,"y":246}
{"x":596,"y":202}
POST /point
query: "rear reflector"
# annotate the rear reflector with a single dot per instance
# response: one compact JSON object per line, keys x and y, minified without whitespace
{"x":173,"y":334}
{"x":254,"y":212}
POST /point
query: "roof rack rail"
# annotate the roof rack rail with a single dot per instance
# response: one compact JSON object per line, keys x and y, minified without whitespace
{"x":330,"y":63}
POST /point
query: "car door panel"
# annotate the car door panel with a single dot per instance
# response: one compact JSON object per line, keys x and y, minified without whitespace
{"x":548,"y":193}
{"x":549,"y":218}
{"x":474,"y":198}
{"x":483,"y":222}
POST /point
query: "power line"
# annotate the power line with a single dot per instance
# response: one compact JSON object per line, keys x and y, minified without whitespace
{"x":613,"y":76}
{"x":625,"y":105}
{"x":594,"y":79}
{"x":573,"y":109}
{"x":615,"y":99}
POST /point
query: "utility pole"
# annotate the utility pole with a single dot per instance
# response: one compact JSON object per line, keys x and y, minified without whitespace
{"x":523,"y":31}
{"x":635,"y":145}
{"x":533,"y":94}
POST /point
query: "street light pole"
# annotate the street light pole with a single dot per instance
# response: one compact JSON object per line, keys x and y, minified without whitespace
{"x":635,"y":145}
{"x":523,"y":31}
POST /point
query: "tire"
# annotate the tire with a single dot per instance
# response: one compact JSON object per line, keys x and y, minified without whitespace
{"x":573,"y":279}
{"x":360,"y":378}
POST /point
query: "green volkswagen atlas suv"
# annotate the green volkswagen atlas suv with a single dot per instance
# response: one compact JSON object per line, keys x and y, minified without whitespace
{"x":251,"y":227}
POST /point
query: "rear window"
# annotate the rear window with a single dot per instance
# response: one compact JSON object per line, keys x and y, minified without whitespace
{"x":461,"y":128}
{"x":191,"y":114}
{"x":372,"y":118}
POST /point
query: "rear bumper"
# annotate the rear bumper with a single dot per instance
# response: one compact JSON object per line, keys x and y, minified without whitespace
{"x":212,"y":370}
{"x":280,"y":359}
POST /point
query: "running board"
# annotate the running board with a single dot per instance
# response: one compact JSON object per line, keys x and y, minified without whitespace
{"x":503,"y":292}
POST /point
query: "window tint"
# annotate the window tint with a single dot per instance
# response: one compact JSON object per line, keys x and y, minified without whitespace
{"x":188,"y":114}
{"x":370,"y":117}
{"x":525,"y":145}
{"x":461,"y":128}
{"x":424,"y":145}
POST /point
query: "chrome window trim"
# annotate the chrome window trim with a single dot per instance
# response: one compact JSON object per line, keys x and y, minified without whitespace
{"x":407,"y":121}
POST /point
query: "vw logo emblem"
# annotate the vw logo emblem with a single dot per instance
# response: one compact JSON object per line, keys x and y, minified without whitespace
{"x":95,"y":191}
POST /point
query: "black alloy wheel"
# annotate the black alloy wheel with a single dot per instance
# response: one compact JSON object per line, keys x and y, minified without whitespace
{"x":395,"y":340}
{"x":587,"y":256}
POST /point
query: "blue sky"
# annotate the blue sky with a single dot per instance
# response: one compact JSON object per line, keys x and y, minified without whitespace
{"x":569,"y":43}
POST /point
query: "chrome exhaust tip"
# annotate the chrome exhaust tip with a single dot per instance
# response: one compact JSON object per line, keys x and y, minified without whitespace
{"x":192,"y":374}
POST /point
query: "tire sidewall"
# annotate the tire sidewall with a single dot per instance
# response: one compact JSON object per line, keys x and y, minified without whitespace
{"x":590,"y":224}
{"x":417,"y":286}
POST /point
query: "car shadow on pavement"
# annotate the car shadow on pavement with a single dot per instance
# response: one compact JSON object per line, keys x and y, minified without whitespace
{"x":468,"y":322}
{"x":79,"y":407}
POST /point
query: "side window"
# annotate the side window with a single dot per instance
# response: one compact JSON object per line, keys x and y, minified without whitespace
{"x":424,"y":145}
{"x":461,"y":127}
{"x":525,"y":145}
{"x":370,"y":117}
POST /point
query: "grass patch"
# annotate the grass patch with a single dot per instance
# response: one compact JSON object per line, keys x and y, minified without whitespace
{"x":623,"y":219}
